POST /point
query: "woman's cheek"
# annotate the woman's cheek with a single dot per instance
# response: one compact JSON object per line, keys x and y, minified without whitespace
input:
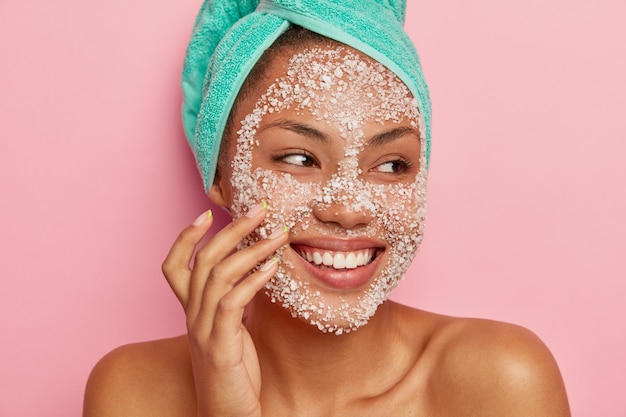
{"x":403,"y":219}
{"x":289,"y":199}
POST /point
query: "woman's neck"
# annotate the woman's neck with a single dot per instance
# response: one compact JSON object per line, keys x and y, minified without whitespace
{"x":301,"y":364}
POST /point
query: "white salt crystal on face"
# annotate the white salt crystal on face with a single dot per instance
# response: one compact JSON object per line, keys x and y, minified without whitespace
{"x":366,"y":92}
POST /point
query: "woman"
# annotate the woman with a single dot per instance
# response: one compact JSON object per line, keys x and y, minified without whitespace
{"x":323,"y":163}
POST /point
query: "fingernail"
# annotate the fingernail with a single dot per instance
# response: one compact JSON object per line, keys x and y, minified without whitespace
{"x":256,"y":210}
{"x":203,"y":217}
{"x":278,"y":232}
{"x":269,"y":264}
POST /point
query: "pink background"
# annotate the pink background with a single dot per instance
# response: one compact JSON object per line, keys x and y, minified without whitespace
{"x":527,"y":194}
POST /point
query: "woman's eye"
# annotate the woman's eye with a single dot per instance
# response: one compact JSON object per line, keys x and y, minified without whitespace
{"x":393,"y":167}
{"x":299,"y":160}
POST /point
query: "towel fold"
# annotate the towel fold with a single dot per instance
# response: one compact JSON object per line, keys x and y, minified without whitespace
{"x":230,"y":36}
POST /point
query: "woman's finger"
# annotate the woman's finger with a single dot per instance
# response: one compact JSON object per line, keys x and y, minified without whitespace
{"x":227,"y":239}
{"x":230,"y":309}
{"x":232,"y":270}
{"x":235,"y":271}
{"x":176,"y":264}
{"x":220,"y":246}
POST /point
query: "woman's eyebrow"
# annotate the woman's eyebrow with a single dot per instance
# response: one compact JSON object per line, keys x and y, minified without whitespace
{"x":311,"y":132}
{"x":391,"y":135}
{"x":299,"y":128}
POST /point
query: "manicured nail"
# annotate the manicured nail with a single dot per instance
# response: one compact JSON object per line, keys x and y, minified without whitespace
{"x":269,"y":264}
{"x":203,"y":217}
{"x":256,"y":210}
{"x":278,"y":232}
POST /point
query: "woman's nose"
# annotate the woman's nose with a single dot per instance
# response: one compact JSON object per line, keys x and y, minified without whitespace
{"x":342,"y":214}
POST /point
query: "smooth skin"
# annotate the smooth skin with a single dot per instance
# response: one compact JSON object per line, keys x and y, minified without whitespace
{"x":244,"y":356}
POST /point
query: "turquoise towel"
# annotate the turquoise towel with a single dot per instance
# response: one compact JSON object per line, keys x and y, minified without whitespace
{"x":230,"y":36}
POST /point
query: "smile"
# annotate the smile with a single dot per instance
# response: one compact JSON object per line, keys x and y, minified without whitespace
{"x":336,"y":259}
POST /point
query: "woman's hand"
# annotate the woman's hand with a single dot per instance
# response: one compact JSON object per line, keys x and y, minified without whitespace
{"x":214,"y":292}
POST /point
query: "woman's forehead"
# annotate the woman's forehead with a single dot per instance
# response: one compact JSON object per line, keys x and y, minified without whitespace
{"x":336,"y":84}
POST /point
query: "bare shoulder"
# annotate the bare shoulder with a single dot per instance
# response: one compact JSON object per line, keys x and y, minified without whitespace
{"x":488,"y":368}
{"x":142,"y":379}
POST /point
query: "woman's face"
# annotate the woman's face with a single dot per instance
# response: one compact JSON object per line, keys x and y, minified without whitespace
{"x":333,"y":144}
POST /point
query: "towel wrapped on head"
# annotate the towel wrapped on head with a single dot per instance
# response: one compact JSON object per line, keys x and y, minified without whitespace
{"x":230,"y":36}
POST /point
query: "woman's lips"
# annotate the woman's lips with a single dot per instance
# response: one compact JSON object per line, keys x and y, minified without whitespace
{"x":341,"y":269}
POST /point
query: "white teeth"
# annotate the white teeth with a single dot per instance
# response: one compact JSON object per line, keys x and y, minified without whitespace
{"x":317,"y":258}
{"x":351,"y":261}
{"x":339,"y":260}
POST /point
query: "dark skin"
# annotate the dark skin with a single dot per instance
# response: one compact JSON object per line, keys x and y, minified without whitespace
{"x":404,"y":362}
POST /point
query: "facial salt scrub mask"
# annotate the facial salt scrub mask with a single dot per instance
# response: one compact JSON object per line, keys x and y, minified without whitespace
{"x":348,"y":92}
